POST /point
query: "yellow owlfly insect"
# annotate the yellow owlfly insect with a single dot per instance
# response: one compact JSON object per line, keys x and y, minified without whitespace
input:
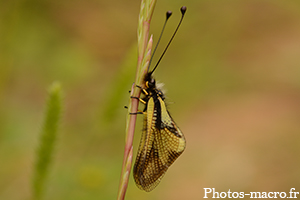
{"x":162,"y":142}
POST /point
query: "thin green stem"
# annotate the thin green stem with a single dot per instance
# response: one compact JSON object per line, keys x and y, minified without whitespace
{"x":144,"y":56}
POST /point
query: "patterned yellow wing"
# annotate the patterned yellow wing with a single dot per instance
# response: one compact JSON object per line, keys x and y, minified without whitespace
{"x":162,"y":142}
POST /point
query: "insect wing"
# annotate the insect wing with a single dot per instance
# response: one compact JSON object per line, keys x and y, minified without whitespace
{"x":143,"y":156}
{"x":159,"y":147}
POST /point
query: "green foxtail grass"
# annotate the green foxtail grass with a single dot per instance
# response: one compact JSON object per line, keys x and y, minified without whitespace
{"x":47,"y":141}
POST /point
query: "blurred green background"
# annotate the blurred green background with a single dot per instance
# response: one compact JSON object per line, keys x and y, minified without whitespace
{"x":232,"y":77}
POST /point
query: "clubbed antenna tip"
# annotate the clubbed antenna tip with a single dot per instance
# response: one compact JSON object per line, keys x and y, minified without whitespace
{"x":168,"y":14}
{"x":183,"y":10}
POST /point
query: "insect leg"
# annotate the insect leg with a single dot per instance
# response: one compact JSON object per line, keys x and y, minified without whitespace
{"x":143,"y":90}
{"x":138,"y":112}
{"x":141,"y":100}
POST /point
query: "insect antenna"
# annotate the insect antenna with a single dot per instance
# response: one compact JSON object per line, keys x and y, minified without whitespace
{"x":183,"y":10}
{"x":168,"y":15}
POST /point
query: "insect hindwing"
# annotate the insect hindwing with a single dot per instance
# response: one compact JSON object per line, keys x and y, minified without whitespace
{"x":161,"y":143}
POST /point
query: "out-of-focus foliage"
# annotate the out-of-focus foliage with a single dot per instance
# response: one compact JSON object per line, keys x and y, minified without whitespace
{"x":232,"y":77}
{"x":48,"y":137}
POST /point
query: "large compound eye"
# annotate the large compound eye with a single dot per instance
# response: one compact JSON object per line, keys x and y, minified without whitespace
{"x":152,"y":83}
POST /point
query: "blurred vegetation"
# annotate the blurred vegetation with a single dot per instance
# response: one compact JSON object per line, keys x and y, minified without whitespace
{"x":48,"y":138}
{"x":232,"y":77}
